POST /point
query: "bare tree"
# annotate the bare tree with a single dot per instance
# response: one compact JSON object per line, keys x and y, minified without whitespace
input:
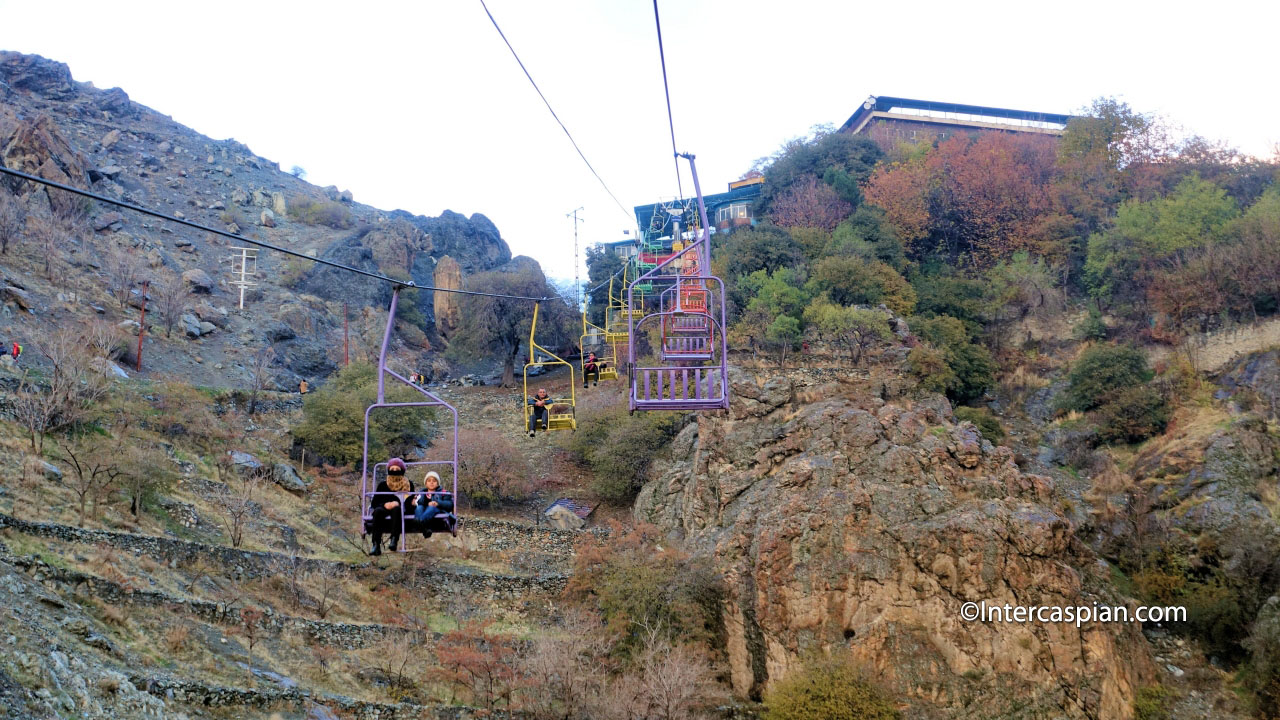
{"x":124,"y":271}
{"x":143,"y":471}
{"x":260,"y":374}
{"x":103,"y":339}
{"x":562,"y":671}
{"x":236,"y":502}
{"x":12,"y":219}
{"x":673,"y":681}
{"x":169,"y":294}
{"x":68,"y":392}
{"x":251,"y":629}
{"x":328,"y":581}
{"x":93,"y":473}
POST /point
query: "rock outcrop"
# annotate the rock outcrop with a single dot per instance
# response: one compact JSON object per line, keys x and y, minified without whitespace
{"x":447,"y":309}
{"x":850,"y":523}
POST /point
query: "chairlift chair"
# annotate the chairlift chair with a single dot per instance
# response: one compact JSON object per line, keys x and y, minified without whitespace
{"x":555,"y":420}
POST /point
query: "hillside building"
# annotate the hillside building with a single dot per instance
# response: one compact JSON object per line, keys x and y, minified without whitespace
{"x":892,"y":120}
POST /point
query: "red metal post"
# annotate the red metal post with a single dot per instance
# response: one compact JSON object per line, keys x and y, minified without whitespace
{"x":142,"y":322}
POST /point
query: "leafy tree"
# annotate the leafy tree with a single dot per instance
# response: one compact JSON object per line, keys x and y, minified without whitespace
{"x":1135,"y":414}
{"x":618,"y":448}
{"x":774,"y":294}
{"x":930,"y":368}
{"x":945,"y":293}
{"x":1112,"y":130}
{"x":333,"y":417}
{"x":808,"y":203}
{"x":1101,"y":371}
{"x":849,"y":280}
{"x":866,"y":234}
{"x":783,"y":334}
{"x":499,"y":327}
{"x":1015,"y":288}
{"x":840,"y":160}
{"x":974,"y":201}
{"x":828,"y":689}
{"x":1092,"y":327}
{"x":601,"y":265}
{"x":855,"y":329}
{"x":1120,"y":260}
{"x":972,"y":368}
{"x":765,"y":248}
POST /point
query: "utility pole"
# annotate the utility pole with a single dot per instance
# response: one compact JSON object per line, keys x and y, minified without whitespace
{"x":248,"y":268}
{"x":142,"y":324}
{"x":577,"y":284}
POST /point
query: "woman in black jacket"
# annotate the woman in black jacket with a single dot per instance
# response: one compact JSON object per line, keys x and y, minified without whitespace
{"x":391,"y":501}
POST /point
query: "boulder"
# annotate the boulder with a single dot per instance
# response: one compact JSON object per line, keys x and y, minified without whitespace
{"x":244,"y":463}
{"x":278,"y":331}
{"x":346,"y":196}
{"x":116,"y":102}
{"x":190,"y":325}
{"x":233,"y":228}
{"x":562,"y":518}
{"x":278,"y":204}
{"x":51,"y":472}
{"x":110,"y":171}
{"x":199,"y":280}
{"x":110,"y":139}
{"x":21,"y":298}
{"x":267,"y":219}
{"x":210,"y":314}
{"x":239,"y":196}
{"x":217,"y":205}
{"x":261,"y":198}
{"x":130,"y":326}
{"x":108,"y":221}
{"x":207,"y":328}
{"x":286,"y":477}
{"x":165,"y":147}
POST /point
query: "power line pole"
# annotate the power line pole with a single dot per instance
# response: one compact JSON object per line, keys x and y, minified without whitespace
{"x":248,"y":268}
{"x":142,"y":323}
{"x":577,"y":284}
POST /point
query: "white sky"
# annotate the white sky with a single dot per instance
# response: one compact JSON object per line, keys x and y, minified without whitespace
{"x":419,"y":105}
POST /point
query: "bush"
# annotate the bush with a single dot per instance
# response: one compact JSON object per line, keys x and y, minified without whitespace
{"x":1092,"y":327}
{"x":634,"y":578}
{"x":987,"y":423}
{"x":1262,"y":673}
{"x":828,"y":690}
{"x":618,"y":448}
{"x":333,"y":418}
{"x":851,"y":280}
{"x":493,"y":470}
{"x":1100,"y":372}
{"x":971,"y":366}
{"x":1151,"y":703}
{"x":312,"y":212}
{"x":1136,"y":414}
{"x":929,"y":367}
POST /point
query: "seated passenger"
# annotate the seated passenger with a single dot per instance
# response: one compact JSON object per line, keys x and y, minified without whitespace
{"x":592,"y":366}
{"x":540,"y":402}
{"x":389,"y":505}
{"x":433,"y":502}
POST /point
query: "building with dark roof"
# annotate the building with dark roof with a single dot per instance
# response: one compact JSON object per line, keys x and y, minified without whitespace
{"x":726,"y":211}
{"x":891,"y":120}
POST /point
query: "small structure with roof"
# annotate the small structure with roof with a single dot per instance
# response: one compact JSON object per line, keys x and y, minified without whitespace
{"x":891,"y":120}
{"x":565,"y":514}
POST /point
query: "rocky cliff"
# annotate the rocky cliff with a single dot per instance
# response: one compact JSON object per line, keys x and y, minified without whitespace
{"x":851,"y":517}
{"x":72,"y":132}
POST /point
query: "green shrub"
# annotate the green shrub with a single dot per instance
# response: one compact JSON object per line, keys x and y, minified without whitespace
{"x":333,"y":418}
{"x":972,"y":368}
{"x":635,"y":578}
{"x":618,"y":448}
{"x":852,"y":280}
{"x":987,"y":423}
{"x":1151,"y":703}
{"x":1092,"y":327}
{"x":1100,"y":372}
{"x":1135,"y":414}
{"x":828,"y":690}
{"x":1262,"y":673}
{"x":929,"y":367}
{"x":312,"y":212}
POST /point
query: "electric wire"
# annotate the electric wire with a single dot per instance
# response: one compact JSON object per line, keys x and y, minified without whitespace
{"x":251,"y":241}
{"x":552,"y":111}
{"x":666,"y":89}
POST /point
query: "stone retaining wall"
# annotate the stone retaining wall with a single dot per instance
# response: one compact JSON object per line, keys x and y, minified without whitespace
{"x":212,"y":696}
{"x":348,"y":636}
{"x":254,"y":563}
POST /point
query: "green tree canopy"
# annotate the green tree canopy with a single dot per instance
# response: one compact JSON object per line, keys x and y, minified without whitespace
{"x":828,"y":689}
{"x":850,"y":280}
{"x":333,"y":417}
{"x":1101,"y":371}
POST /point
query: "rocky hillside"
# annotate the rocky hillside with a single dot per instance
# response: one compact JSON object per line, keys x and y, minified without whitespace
{"x":72,"y":132}
{"x":850,"y":515}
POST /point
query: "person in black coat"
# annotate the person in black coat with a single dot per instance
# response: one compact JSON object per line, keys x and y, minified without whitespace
{"x":391,"y":501}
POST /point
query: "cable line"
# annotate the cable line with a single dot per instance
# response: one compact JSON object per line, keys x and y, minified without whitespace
{"x":553,"y":112}
{"x":665,"y":88}
{"x":242,"y":238}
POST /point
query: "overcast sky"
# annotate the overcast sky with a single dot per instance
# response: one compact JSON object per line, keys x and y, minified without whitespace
{"x":420,"y":106}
